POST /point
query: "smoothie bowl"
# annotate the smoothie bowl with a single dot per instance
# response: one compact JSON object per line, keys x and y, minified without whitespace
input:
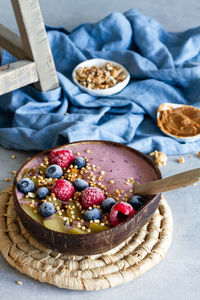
{"x":78,"y":198}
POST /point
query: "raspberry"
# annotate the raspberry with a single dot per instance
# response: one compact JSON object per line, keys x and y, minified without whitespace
{"x":120,"y":212}
{"x":91,"y":196}
{"x":62,"y":189}
{"x":63,"y":158}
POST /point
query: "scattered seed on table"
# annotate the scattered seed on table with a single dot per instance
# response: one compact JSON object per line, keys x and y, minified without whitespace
{"x":181,"y":160}
{"x":7,"y":179}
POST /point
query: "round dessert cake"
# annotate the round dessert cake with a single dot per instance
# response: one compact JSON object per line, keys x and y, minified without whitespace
{"x":79,"y":199}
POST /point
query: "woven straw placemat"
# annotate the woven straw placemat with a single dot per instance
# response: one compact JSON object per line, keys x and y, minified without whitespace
{"x":124,"y":263}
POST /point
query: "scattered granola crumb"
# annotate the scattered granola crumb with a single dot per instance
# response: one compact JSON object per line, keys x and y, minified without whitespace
{"x":7,"y":179}
{"x":13,"y":156}
{"x":19,"y":282}
{"x":159,"y":157}
{"x":181,"y":160}
{"x":14,"y":172}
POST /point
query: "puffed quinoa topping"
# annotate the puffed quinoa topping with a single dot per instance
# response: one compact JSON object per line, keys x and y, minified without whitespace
{"x":96,"y":221}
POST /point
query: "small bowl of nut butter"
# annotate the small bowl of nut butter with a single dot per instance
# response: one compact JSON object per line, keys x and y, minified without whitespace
{"x":182,"y":122}
{"x":100,"y":77}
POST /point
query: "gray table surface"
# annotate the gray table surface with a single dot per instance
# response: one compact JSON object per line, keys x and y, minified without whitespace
{"x":178,"y":275}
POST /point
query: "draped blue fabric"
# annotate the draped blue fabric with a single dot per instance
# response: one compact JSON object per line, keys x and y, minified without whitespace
{"x":163,"y":66}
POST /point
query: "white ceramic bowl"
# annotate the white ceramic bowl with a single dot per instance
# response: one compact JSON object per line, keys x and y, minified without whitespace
{"x":101,"y":92}
{"x":165,"y":106}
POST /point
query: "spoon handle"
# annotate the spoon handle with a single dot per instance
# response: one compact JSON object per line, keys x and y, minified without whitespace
{"x":168,"y":184}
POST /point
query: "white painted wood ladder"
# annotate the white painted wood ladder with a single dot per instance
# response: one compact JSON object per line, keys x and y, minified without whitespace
{"x":35,"y":62}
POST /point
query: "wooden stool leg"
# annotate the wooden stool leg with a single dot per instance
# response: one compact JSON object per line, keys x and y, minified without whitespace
{"x":11,"y":42}
{"x":35,"y":42}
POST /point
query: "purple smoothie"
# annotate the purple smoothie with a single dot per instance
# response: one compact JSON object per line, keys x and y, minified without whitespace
{"x":118,"y":162}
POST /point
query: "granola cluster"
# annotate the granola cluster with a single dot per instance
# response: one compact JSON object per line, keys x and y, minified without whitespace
{"x":103,"y":77}
{"x":159,"y":157}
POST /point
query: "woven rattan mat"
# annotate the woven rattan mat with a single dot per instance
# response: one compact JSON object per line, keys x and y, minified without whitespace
{"x":124,"y":263}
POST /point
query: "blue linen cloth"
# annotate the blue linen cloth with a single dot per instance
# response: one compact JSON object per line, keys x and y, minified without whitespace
{"x":163,"y":66}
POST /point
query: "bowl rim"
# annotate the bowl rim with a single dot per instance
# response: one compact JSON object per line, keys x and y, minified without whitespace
{"x":102,"y":61}
{"x":179,"y":138}
{"x":81,"y":236}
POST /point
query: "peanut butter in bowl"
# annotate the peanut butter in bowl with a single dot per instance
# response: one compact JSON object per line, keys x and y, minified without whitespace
{"x":179,"y":121}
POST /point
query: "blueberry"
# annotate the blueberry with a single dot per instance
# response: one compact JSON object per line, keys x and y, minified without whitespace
{"x":93,"y":214}
{"x":54,"y":171}
{"x":107,"y":204}
{"x":47,"y":209}
{"x":136,"y":201}
{"x":79,"y":162}
{"x":42,"y":192}
{"x":80,"y":184}
{"x":25,"y":185}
